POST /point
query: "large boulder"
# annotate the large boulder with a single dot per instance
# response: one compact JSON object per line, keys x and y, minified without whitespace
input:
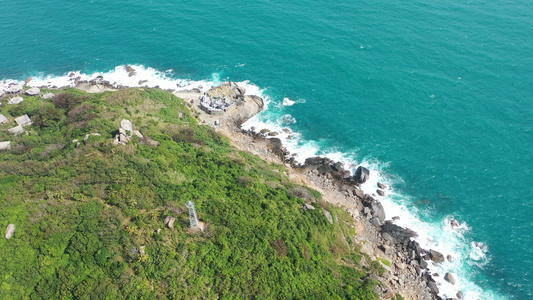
{"x":9,"y":231}
{"x":397,"y":233}
{"x":450,"y":278}
{"x":436,"y":256}
{"x":169,"y":221}
{"x":15,"y":100}
{"x":317,"y":161}
{"x":127,"y":126}
{"x":5,"y":145}
{"x":34,"y":91}
{"x":16,"y":88}
{"x":377,"y":210}
{"x":433,"y":287}
{"x":362,"y":174}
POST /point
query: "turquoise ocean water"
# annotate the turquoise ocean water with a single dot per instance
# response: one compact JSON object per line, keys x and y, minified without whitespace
{"x":436,"y":97}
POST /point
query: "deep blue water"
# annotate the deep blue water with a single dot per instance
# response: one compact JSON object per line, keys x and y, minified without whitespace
{"x":437,"y":95}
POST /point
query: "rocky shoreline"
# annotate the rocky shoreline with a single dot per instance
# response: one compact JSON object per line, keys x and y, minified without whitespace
{"x":379,"y":237}
{"x":408,"y":273}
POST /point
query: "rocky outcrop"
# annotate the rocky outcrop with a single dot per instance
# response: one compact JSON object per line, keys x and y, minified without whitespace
{"x":396,"y":234}
{"x":15,"y":88}
{"x":362,"y":174}
{"x":10,"y":231}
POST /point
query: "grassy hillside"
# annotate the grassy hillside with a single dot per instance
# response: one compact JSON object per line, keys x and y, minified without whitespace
{"x":82,"y":212}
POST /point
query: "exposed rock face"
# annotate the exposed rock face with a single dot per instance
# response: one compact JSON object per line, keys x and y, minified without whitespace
{"x":169,"y":221}
{"x":436,"y":256}
{"x":34,"y":91}
{"x":3,"y":119}
{"x":450,"y":278}
{"x":362,"y":174}
{"x":126,"y":125}
{"x":9,"y":231}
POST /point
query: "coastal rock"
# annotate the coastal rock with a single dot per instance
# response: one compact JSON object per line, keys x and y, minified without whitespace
{"x":459,"y":295}
{"x":362,"y":174}
{"x":436,"y":256}
{"x":381,"y":186}
{"x":2,"y":93}
{"x":433,"y":287}
{"x":377,"y":210}
{"x":375,"y":221}
{"x":359,"y":193}
{"x":423,"y":264}
{"x":317,"y":161}
{"x":449,"y":258}
{"x":16,"y":88}
{"x":273,"y":133}
{"x":450,"y":278}
{"x":130,"y":70}
{"x":169,"y":221}
{"x":9,"y":231}
{"x":380,"y":192}
{"x":264,"y":131}
{"x":34,"y":91}
{"x":397,"y":233}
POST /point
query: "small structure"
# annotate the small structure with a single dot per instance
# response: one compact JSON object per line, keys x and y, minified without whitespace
{"x":192,"y":215}
{"x":16,"y":130}
{"x":23,"y":120}
{"x":15,"y":100}
{"x":215,"y":105}
{"x":10,"y":230}
{"x":34,"y":91}
{"x":5,"y":145}
{"x":3,"y":120}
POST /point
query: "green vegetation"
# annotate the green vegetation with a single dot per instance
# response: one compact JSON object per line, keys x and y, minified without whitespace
{"x":385,"y":261}
{"x":83,"y":212}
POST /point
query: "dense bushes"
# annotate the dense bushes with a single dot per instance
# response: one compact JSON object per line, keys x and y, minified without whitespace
{"x":84,"y":212}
